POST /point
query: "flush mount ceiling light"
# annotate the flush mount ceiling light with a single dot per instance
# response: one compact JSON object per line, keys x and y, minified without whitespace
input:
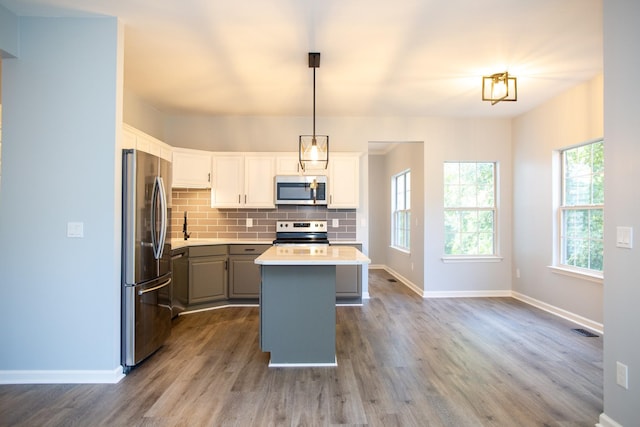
{"x":313,"y":149}
{"x":499,"y":87}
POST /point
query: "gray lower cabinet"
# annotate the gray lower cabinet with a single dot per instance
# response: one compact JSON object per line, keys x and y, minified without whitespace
{"x":348,"y":278}
{"x":207,"y":274}
{"x":244,"y":273}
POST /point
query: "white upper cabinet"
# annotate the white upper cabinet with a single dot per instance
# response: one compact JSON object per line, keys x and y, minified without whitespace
{"x":289,"y":164}
{"x":191,"y":168}
{"x":344,"y":181}
{"x":243,"y":180}
{"x":136,"y":139}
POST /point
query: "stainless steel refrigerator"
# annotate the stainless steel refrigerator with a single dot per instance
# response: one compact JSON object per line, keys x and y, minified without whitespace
{"x":146,"y":255}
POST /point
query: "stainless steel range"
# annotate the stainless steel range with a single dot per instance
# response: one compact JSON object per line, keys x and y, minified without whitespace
{"x":305,"y":232}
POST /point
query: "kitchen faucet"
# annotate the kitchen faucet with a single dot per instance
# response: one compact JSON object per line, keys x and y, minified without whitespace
{"x":184,"y":227}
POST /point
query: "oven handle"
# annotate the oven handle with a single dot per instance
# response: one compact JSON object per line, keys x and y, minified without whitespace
{"x":155,"y":288}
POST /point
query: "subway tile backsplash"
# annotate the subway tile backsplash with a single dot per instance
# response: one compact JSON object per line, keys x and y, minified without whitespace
{"x":205,"y":222}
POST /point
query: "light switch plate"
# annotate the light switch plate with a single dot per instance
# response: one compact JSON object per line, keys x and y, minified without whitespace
{"x":335,"y":223}
{"x":249,"y":222}
{"x":75,"y":229}
{"x":624,"y":237}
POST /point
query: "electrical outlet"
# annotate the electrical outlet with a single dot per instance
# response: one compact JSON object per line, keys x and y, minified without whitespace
{"x":249,"y":222}
{"x":622,"y":375}
{"x":335,"y":223}
{"x":517,"y":273}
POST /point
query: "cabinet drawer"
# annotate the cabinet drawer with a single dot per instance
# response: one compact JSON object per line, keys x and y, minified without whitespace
{"x":247,"y":249}
{"x":210,"y":250}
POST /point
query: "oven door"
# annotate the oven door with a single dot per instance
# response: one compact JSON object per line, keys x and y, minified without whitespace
{"x":301,"y":190}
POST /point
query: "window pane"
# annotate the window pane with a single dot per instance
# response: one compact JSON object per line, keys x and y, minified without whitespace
{"x":469,"y":199}
{"x":401,"y":215}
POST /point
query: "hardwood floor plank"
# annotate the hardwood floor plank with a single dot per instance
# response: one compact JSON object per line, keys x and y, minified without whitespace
{"x":402,"y":361}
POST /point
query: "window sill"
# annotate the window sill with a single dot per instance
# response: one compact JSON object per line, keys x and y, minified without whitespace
{"x":399,"y":249}
{"x":580,"y":274}
{"x":457,"y":259}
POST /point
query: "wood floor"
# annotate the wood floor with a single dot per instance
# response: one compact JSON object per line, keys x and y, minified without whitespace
{"x":402,"y":361}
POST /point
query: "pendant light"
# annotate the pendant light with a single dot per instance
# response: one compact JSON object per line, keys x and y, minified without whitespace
{"x":313,"y":149}
{"x":499,"y":87}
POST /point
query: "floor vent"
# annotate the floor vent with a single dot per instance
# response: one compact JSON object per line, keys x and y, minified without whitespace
{"x":584,"y":333}
{"x":392,"y":280}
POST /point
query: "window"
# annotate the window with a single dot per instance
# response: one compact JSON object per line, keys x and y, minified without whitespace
{"x":581,"y":210}
{"x":401,"y":210}
{"x":470,"y":209}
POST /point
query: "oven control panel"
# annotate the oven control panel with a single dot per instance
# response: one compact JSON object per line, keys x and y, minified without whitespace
{"x":304,"y":226}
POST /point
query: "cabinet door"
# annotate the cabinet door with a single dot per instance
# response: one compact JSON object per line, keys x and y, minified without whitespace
{"x":244,"y":277}
{"x":348,"y":280}
{"x":207,"y":279}
{"x":191,"y":169}
{"x":227,"y":189}
{"x":287,"y":165}
{"x":344,"y":173}
{"x":259,"y":172}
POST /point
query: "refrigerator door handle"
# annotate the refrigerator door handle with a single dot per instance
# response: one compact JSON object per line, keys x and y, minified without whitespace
{"x":163,"y":217}
{"x":155,"y":288}
{"x":158,"y":239}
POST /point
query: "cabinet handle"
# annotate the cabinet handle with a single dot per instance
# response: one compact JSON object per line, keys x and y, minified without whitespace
{"x":245,"y":199}
{"x":238,"y":198}
{"x":249,"y":249}
{"x":209,"y":177}
{"x":226,"y":265}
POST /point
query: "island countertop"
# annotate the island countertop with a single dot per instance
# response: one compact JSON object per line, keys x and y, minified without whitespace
{"x":312,"y":255}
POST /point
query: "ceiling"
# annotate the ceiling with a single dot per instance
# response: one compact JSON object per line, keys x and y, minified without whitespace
{"x":378,"y":58}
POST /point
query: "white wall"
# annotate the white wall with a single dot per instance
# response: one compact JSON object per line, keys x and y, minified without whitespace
{"x":410,"y":266}
{"x":62,"y":101}
{"x":622,"y":208}
{"x":466,"y":140}
{"x":142,"y":116}
{"x":573,"y":117}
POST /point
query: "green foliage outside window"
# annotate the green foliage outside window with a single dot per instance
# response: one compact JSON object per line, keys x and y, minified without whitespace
{"x":470,"y":208}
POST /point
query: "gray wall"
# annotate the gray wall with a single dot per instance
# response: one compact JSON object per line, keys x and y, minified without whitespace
{"x":622,"y":208}
{"x":61,"y":106}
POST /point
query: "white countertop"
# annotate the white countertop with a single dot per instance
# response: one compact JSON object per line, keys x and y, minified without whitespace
{"x":312,"y":255}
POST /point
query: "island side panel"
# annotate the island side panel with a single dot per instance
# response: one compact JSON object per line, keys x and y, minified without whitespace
{"x":298,"y":314}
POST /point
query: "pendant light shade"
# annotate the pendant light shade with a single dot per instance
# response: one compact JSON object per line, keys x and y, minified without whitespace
{"x":313,"y":149}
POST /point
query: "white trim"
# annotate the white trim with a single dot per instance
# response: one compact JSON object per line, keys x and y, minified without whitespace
{"x":471,"y":258}
{"x":302,"y":365}
{"x":468,"y":294}
{"x":575,"y":318}
{"x":605,"y":421}
{"x":184,"y":313}
{"x":62,"y":377}
{"x":579,"y":274}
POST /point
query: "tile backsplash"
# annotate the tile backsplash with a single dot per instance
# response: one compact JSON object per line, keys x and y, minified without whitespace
{"x":205,"y":222}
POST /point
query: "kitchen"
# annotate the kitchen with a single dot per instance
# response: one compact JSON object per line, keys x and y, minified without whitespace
{"x":72,"y":261}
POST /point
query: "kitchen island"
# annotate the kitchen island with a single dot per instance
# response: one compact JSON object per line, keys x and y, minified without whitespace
{"x":297,"y":302}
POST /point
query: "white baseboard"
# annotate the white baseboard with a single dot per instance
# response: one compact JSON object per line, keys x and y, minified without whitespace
{"x":62,"y":377}
{"x":408,"y":283}
{"x":575,"y":318}
{"x":467,"y":294}
{"x":605,"y":421}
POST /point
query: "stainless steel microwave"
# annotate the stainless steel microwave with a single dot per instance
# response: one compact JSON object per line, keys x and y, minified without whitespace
{"x":301,"y":190}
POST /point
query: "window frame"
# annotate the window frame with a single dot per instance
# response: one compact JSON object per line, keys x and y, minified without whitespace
{"x":405,"y":244}
{"x":495,"y":208}
{"x":560,"y":264}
